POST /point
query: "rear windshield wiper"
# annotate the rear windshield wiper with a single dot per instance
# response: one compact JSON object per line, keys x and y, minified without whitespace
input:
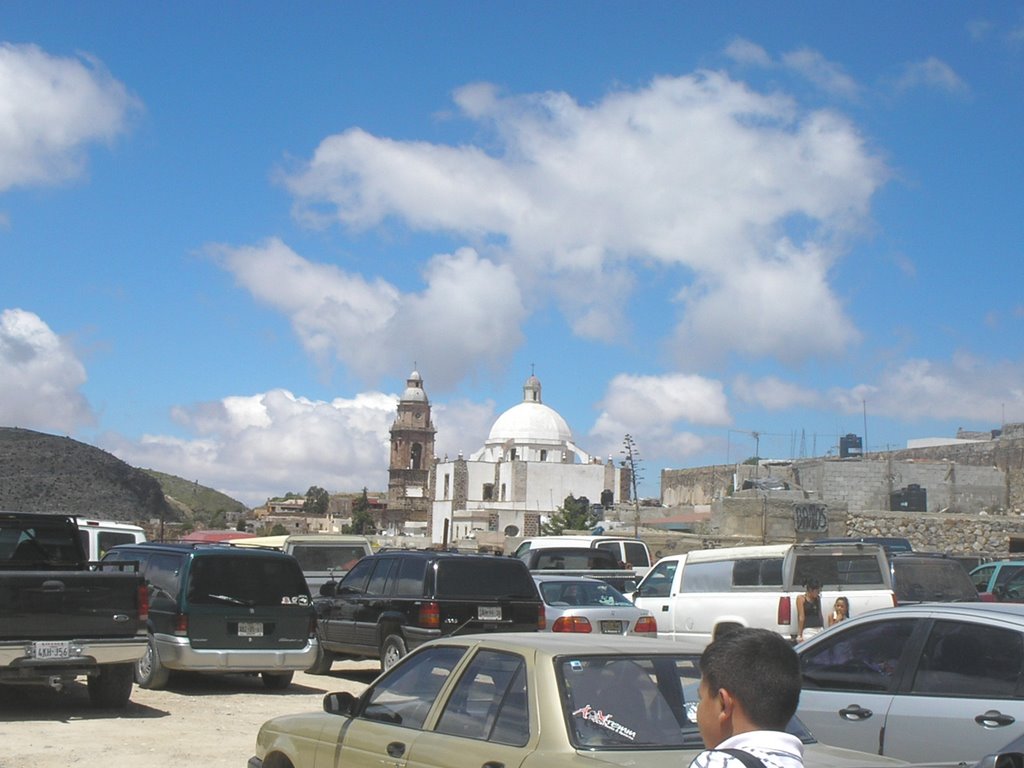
{"x":231,"y":600}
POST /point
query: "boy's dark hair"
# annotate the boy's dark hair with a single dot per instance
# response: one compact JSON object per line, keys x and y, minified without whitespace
{"x":761,"y":671}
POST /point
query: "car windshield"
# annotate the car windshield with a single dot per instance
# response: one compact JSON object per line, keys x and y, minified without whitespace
{"x":321,"y":557}
{"x":247,"y":581}
{"x":629,"y":702}
{"x":585,"y":593}
{"x":917,"y":579}
{"x":636,"y":701}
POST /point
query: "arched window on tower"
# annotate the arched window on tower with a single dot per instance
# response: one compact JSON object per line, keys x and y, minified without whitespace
{"x":415,"y":456}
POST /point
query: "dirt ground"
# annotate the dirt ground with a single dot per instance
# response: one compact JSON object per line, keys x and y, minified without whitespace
{"x":198,"y":720}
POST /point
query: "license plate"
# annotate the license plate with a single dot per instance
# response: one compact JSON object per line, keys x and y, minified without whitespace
{"x":250,"y":629}
{"x":489,"y":612}
{"x":611,"y":627}
{"x":51,"y":649}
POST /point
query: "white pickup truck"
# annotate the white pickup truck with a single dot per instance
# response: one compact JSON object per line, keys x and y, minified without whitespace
{"x":696,"y":596}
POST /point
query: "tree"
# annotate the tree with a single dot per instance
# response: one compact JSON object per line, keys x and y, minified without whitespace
{"x":278,"y":530}
{"x":574,"y":515}
{"x":317,"y":501}
{"x":362,"y":518}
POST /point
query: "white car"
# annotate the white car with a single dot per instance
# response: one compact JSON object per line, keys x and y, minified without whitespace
{"x":587,"y":605}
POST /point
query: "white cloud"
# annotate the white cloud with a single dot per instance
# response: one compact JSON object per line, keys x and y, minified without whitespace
{"x":468,"y":314}
{"x":698,"y":175}
{"x":51,"y":109}
{"x":745,"y":52}
{"x":774,"y":394}
{"x":40,"y":376}
{"x":650,"y":408}
{"x":965,"y":388}
{"x":462,"y":426}
{"x":825,"y":74}
{"x":257,"y":446}
{"x":933,"y":74}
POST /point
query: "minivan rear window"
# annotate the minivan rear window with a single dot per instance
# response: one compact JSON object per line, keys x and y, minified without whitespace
{"x":246,"y":581}
{"x":495,"y":577}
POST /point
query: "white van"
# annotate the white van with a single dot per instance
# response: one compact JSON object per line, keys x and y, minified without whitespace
{"x":323,"y":557}
{"x":697,"y":596}
{"x":632,"y":552}
{"x":100,"y":535}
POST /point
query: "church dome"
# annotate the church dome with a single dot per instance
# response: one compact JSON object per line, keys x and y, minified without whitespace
{"x":530,"y":422}
{"x":414,"y":391}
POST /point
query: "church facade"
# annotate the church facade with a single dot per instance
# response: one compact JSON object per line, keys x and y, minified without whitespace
{"x":526,"y":468}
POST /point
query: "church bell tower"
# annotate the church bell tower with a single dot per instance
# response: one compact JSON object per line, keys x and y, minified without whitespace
{"x":412,"y":455}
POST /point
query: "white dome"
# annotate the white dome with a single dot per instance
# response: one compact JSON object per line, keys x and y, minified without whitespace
{"x":530,"y":423}
{"x":414,"y":391}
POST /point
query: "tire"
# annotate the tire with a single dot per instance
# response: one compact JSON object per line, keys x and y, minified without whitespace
{"x":149,"y":672}
{"x":323,"y":662}
{"x":391,"y":651}
{"x":277,"y":681}
{"x":112,"y":687}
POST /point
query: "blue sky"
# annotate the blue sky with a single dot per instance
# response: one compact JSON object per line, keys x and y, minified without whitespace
{"x":229,"y":231}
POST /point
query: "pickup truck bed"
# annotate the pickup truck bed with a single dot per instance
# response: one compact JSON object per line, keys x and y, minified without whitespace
{"x":65,"y":617}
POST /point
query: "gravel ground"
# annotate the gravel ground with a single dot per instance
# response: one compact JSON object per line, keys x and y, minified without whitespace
{"x":198,"y":720}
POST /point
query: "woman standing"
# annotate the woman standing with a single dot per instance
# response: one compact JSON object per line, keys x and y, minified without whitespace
{"x":808,"y":611}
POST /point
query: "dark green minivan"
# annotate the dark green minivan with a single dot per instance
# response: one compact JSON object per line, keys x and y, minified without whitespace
{"x":220,"y":608}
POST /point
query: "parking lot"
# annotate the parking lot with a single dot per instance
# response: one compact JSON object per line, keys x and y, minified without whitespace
{"x":197,"y":720}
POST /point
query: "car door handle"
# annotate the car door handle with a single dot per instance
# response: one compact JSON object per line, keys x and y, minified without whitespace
{"x":664,"y":609}
{"x":396,"y":749}
{"x":993,"y":719}
{"x":493,"y":764}
{"x":855,"y":712}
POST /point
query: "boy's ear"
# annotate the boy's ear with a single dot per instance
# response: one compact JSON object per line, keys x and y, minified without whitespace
{"x":728,"y":703}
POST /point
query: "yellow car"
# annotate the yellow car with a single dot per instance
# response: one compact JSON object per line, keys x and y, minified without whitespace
{"x":516,"y":700}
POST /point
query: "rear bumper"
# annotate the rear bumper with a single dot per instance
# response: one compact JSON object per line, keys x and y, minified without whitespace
{"x":17,"y":664}
{"x":177,"y":653}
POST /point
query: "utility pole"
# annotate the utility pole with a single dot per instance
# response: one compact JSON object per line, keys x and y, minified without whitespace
{"x":632,"y":462}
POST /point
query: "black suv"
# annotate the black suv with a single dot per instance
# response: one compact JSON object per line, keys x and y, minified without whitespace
{"x":919,"y":577}
{"x":392,"y":602}
{"x":220,"y":608}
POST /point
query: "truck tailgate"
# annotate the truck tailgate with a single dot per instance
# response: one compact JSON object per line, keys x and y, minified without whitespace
{"x":43,"y":604}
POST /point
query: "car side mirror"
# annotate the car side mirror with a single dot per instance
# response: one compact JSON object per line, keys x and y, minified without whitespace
{"x":340,"y":703}
{"x":1002,"y":760}
{"x":328,"y":588}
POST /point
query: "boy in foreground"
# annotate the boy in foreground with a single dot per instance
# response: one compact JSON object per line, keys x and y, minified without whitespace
{"x":749,"y":689}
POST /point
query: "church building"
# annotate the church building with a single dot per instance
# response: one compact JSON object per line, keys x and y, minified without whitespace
{"x":524,"y":471}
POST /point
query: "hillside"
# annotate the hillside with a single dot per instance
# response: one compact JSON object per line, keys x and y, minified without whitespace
{"x":48,"y":473}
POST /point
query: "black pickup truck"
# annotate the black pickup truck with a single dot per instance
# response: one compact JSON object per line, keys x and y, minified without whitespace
{"x":64,"y":617}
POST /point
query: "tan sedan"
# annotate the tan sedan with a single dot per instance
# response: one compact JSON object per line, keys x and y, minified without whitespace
{"x":513,"y":700}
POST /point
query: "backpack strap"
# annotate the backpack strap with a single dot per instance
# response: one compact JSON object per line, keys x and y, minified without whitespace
{"x":748,"y":760}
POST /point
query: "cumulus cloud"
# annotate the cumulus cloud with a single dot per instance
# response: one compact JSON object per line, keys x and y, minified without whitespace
{"x":932,"y":74}
{"x":653,"y":407}
{"x":965,"y":388}
{"x":774,"y":394}
{"x":748,"y":53}
{"x":699,"y":176}
{"x":51,"y":110}
{"x":40,"y":376}
{"x":257,"y":446}
{"x":467,"y":315}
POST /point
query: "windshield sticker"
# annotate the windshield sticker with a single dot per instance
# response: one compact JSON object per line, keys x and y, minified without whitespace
{"x":296,"y":600}
{"x":598,"y":717}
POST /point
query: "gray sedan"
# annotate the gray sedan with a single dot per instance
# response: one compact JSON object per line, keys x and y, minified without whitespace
{"x":586,"y":605}
{"x":935,"y":682}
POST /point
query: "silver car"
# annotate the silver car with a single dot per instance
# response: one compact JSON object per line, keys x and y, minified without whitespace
{"x":588,"y":605}
{"x":935,"y":682}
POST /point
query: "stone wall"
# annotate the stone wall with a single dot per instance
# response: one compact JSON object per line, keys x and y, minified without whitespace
{"x":700,"y":485}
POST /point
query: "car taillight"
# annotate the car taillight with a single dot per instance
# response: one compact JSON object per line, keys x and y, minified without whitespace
{"x":430,"y":616}
{"x":143,"y":601}
{"x":181,"y":624}
{"x":571,"y":624}
{"x":542,"y":619}
{"x":646,"y":624}
{"x":785,"y":611}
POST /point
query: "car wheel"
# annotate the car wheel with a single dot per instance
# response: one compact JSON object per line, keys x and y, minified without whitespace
{"x":112,"y":687}
{"x":323,"y":662}
{"x":391,"y":651}
{"x":149,"y":672}
{"x":277,"y":681}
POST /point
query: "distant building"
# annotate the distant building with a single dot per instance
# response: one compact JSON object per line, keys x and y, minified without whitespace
{"x":412,"y":455}
{"x":526,"y":468}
